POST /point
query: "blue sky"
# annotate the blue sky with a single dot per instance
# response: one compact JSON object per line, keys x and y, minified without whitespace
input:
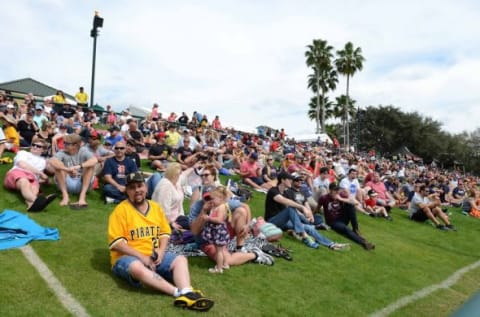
{"x":244,"y":60}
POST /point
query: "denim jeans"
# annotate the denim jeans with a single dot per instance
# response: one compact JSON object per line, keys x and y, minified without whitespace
{"x":152,"y":182}
{"x":285,"y":216}
{"x":111,"y":191}
{"x":311,"y":231}
{"x":349,"y":215}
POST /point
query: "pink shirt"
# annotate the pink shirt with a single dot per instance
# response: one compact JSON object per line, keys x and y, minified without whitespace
{"x":379,"y":188}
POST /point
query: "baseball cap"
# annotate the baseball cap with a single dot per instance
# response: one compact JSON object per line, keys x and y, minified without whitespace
{"x":136,"y":177}
{"x":114,"y":128}
{"x":296,"y":176}
{"x":371,"y":192}
{"x":93,"y":134}
{"x":254,"y":156}
{"x":38,"y":107}
{"x":161,"y":134}
{"x":10,"y":106}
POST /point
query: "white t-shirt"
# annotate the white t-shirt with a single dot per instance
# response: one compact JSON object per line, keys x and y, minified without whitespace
{"x":351,"y":186}
{"x":35,"y":161}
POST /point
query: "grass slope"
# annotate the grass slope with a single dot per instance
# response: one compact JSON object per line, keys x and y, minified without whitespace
{"x":408,"y":257}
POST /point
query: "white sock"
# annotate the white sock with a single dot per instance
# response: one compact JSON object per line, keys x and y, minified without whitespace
{"x":186,"y":290}
{"x":176,"y":292}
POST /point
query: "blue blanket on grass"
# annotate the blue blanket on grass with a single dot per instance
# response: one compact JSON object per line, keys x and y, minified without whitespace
{"x":17,"y":229}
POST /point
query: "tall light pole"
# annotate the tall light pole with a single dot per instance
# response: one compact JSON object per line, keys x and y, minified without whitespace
{"x":97,"y":23}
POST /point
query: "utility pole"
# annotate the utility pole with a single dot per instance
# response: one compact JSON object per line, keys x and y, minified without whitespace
{"x":97,"y":23}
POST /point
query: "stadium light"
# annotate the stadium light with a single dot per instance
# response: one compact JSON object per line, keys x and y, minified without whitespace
{"x":97,"y":23}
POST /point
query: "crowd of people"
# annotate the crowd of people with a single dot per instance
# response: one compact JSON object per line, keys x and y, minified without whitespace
{"x":308,"y":186}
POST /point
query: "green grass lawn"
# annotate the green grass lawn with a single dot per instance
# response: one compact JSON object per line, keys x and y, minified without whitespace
{"x":408,"y":257}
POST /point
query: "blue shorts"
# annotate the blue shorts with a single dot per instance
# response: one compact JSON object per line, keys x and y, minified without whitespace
{"x":121,"y":268}
{"x":74,"y":184}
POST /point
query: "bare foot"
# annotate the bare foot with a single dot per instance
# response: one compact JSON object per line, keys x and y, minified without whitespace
{"x":64,"y":202}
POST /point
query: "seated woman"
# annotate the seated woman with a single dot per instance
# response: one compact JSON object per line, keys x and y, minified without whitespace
{"x":27,"y":173}
{"x":169,"y":194}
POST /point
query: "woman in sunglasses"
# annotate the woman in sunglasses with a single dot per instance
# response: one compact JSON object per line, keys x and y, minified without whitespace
{"x":27,"y":174}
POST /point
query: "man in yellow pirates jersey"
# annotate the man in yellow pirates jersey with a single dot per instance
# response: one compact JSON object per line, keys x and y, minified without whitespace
{"x":138,"y":234}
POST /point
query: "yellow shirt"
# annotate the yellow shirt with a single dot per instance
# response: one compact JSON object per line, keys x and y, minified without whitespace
{"x":81,"y":97}
{"x":58,"y":99}
{"x":128,"y":224}
{"x":12,"y":134}
{"x":172,"y":139}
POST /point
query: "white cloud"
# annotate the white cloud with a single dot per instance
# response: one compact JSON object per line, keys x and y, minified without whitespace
{"x":244,"y":60}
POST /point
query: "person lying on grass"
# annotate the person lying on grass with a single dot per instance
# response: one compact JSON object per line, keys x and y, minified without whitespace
{"x":138,"y":235}
{"x":27,"y":173}
{"x":74,"y":167}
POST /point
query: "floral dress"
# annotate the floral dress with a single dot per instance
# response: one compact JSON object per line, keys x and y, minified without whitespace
{"x":216,"y":233}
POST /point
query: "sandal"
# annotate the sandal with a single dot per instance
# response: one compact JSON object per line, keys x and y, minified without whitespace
{"x":284,"y":253}
{"x":215,"y":269}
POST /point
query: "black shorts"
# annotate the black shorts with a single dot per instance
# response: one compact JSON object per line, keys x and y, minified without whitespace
{"x":419,"y":216}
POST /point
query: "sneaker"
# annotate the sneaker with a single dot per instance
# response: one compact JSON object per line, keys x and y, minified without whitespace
{"x":340,"y":247}
{"x":310,"y":242}
{"x":451,"y":227}
{"x":369,"y":246}
{"x":442,"y":227}
{"x":389,"y":218}
{"x":109,"y":200}
{"x":194,"y":301}
{"x":262,"y":257}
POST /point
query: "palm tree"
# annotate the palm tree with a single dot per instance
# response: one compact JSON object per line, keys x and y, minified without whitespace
{"x":324,"y":78}
{"x":348,"y":62}
{"x":344,"y":104}
{"x":327,"y":107}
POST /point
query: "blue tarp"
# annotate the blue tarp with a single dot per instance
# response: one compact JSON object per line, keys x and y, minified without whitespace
{"x":17,"y":229}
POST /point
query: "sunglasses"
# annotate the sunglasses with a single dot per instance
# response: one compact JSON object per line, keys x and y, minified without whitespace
{"x":205,"y":175}
{"x":68,"y":143}
{"x":39,"y":146}
{"x":119,"y":148}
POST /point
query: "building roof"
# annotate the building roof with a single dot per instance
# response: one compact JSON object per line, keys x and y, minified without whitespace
{"x":27,"y":85}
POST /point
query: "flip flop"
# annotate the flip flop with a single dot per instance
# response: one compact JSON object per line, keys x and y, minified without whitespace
{"x":38,"y":205}
{"x":77,"y":206}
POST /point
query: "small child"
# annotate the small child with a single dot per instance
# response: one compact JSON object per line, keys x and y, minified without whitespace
{"x":372,"y":208}
{"x":215,"y":230}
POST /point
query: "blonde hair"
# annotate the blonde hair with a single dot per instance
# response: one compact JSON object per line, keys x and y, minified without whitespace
{"x":73,"y":138}
{"x":221,"y":191}
{"x":173,"y":170}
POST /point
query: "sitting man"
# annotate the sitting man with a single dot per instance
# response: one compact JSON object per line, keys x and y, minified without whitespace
{"x":251,"y":174}
{"x":160,"y":154}
{"x":283,"y":211}
{"x":339,"y":212}
{"x":423,"y":208}
{"x":138,"y":235}
{"x":73,"y":169}
{"x":115,"y":170}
